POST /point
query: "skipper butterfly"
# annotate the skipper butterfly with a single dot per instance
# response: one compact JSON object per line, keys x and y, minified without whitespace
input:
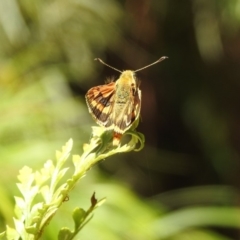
{"x":117,"y":105}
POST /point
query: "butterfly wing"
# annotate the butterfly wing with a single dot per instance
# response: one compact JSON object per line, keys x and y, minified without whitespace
{"x":136,"y":106}
{"x":100,"y":101}
{"x":130,"y":113}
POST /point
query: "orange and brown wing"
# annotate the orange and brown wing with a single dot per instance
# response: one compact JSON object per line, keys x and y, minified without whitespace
{"x":100,"y":102}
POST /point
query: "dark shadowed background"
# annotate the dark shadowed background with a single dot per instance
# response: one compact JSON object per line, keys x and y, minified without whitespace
{"x":185,"y":183}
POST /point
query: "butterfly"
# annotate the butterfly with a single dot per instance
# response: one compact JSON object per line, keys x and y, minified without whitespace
{"x":116,"y":105}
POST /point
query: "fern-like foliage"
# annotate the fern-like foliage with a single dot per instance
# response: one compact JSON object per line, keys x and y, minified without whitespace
{"x":33,"y":215}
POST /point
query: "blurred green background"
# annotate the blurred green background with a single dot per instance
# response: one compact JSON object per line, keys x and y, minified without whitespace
{"x":185,"y":183}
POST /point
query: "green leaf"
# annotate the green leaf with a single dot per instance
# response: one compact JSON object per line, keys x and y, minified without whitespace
{"x":25,"y":175}
{"x":76,"y":159}
{"x":12,"y":233}
{"x":19,"y":225}
{"x":3,"y":234}
{"x":61,"y":173}
{"x":100,"y":202}
{"x":79,"y":216}
{"x":31,"y":230}
{"x":65,"y":234}
{"x":33,"y":217}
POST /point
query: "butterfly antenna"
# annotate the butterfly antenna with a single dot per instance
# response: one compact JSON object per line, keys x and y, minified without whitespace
{"x":101,"y":61}
{"x":159,"y":60}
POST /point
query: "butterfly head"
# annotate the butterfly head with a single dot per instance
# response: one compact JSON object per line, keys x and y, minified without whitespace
{"x":127,"y":77}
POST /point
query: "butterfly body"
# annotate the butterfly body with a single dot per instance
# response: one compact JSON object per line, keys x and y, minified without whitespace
{"x":116,"y":105}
